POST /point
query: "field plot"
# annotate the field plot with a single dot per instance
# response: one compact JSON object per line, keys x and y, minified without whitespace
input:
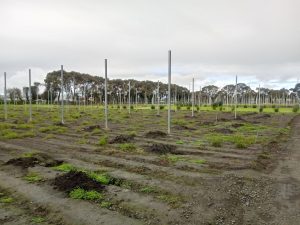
{"x":212,"y":169}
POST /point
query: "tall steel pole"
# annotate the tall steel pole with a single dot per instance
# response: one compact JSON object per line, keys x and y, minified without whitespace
{"x":193,"y":98}
{"x":169,"y":92}
{"x":158,"y":98}
{"x":30,"y":97}
{"x":259,"y":98}
{"x":62,"y":93}
{"x":5,"y":98}
{"x":129,"y":103}
{"x":105,"y":95}
{"x":235,"y":97}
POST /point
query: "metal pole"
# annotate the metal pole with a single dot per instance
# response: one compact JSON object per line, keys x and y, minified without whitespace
{"x":136,"y":98}
{"x":193,"y":98}
{"x":62,"y":94}
{"x":105,"y":94}
{"x":5,"y":99}
{"x":129,"y":97}
{"x":30,"y":97}
{"x":169,"y":92}
{"x":259,"y":98}
{"x":158,"y":98}
{"x":235,"y":97}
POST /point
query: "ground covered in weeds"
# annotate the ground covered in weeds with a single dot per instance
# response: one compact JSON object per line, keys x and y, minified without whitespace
{"x":211,"y":169}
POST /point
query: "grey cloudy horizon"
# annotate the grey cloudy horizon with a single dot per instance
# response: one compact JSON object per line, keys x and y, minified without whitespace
{"x":211,"y":40}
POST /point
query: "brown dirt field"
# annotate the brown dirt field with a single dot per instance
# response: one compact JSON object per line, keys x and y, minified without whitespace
{"x":157,"y":179}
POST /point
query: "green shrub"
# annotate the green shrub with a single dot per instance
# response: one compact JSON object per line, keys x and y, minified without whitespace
{"x":245,"y":106}
{"x":273,"y":106}
{"x":188,"y":107}
{"x":152,"y":107}
{"x":161,"y":107}
{"x":295,"y":108}
{"x":254,"y":106}
{"x":261,"y":109}
{"x":127,"y":147}
{"x":103,"y":140}
{"x":178,"y":107}
{"x":276,"y":109}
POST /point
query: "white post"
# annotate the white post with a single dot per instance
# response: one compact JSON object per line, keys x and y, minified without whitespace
{"x":235,"y":97}
{"x":30,"y":97}
{"x":129,"y":87}
{"x":158,"y":98}
{"x":105,"y":97}
{"x":136,"y":98}
{"x":169,"y":92}
{"x":62,"y":94}
{"x":193,"y":98}
{"x":5,"y":98}
{"x":259,"y":98}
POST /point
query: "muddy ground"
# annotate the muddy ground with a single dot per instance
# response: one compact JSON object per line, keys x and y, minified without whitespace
{"x":152,"y":178}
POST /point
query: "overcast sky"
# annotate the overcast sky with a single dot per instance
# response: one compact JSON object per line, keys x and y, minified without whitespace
{"x":211,"y":40}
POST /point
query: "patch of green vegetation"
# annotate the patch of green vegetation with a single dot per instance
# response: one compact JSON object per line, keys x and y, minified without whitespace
{"x":79,"y":193}
{"x":148,"y":189}
{"x":27,"y":134}
{"x":96,"y":131}
{"x":172,"y":200}
{"x":82,"y":141}
{"x":101,"y":178}
{"x":105,"y":204}
{"x":179,"y":142}
{"x":49,"y":136}
{"x":132,"y":133}
{"x":53,"y":129}
{"x":180,"y":122}
{"x":198,"y":161}
{"x":173,"y":158}
{"x":215,"y":140}
{"x":6,"y":200}
{"x":9,"y":134}
{"x":33,"y":177}
{"x":103,"y":140}
{"x":127,"y":147}
{"x":65,"y":167}
{"x":38,"y":219}
{"x":243,"y":141}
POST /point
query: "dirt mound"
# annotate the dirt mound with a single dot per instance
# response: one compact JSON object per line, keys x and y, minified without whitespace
{"x":91,"y":128}
{"x":122,"y":139}
{"x":76,"y":179}
{"x":223,"y":131}
{"x":161,"y":148}
{"x":23,"y":162}
{"x":183,"y":127}
{"x":41,"y":159}
{"x":155,"y":134}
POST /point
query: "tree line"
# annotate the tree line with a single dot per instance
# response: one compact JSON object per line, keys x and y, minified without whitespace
{"x":81,"y":87}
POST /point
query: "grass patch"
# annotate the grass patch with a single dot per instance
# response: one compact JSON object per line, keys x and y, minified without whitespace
{"x":33,"y":177}
{"x":79,"y":193}
{"x":127,"y":147}
{"x":147,"y":190}
{"x":38,"y":219}
{"x":198,"y":161}
{"x":65,"y":167}
{"x":101,"y":178}
{"x":6,"y":200}
{"x":105,"y":204}
{"x":103,"y":140}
